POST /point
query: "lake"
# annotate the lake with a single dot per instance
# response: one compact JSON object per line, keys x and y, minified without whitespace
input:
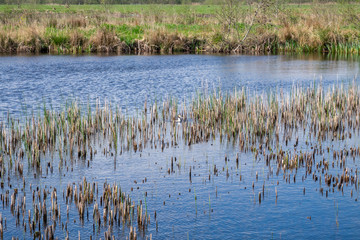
{"x":221,"y":204}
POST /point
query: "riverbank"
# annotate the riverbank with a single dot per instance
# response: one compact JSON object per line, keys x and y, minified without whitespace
{"x":148,"y":29}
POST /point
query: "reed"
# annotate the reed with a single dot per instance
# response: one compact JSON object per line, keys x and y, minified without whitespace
{"x":265,"y":125}
{"x":330,"y":28}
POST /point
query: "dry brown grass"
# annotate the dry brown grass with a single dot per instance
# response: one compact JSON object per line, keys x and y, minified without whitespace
{"x":76,"y":22}
{"x":104,"y":41}
{"x":7,"y":44}
{"x":77,"y":39}
{"x":29,"y":40}
{"x":318,"y":28}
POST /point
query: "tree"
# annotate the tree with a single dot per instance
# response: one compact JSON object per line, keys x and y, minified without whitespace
{"x":232,"y":15}
{"x":229,"y":16}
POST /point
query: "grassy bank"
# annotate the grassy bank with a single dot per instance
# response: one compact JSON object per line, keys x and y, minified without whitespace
{"x":259,"y":27}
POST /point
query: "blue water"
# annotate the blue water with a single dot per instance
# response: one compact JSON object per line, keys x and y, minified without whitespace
{"x":127,"y":81}
{"x":225,"y":207}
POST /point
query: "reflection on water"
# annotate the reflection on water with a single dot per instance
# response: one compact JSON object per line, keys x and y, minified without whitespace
{"x":222,"y":206}
{"x":28,"y":82}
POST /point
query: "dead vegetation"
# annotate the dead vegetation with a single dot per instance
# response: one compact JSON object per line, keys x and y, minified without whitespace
{"x":266,"y":26}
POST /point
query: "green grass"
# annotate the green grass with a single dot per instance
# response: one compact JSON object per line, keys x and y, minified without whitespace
{"x":125,"y":32}
{"x":57,"y":37}
{"x":187,"y":29}
{"x":164,"y":8}
{"x":191,"y":28}
{"x":145,"y":8}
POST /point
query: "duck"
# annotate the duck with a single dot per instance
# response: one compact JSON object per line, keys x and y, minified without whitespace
{"x":180,"y":119}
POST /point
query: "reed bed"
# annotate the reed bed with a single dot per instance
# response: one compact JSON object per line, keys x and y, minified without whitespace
{"x":331,"y":28}
{"x":111,"y":208}
{"x":286,"y":132}
{"x":266,"y":121}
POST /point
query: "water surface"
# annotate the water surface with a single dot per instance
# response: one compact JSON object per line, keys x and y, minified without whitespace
{"x":225,"y":207}
{"x":28,"y":82}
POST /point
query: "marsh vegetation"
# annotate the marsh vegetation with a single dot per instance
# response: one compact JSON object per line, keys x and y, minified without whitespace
{"x":300,"y":135}
{"x":252,"y":27}
{"x":182,"y":146}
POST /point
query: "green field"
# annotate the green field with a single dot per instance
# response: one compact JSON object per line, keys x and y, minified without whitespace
{"x":166,"y":8}
{"x":266,"y":26}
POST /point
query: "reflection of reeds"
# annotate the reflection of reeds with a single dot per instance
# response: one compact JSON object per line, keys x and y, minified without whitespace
{"x":336,"y":213}
{"x":247,"y":121}
{"x":265,"y":125}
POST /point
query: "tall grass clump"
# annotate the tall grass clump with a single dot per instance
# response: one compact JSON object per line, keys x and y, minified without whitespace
{"x":259,"y":27}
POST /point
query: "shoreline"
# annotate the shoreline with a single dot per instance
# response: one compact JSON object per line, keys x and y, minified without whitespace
{"x":169,"y":29}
